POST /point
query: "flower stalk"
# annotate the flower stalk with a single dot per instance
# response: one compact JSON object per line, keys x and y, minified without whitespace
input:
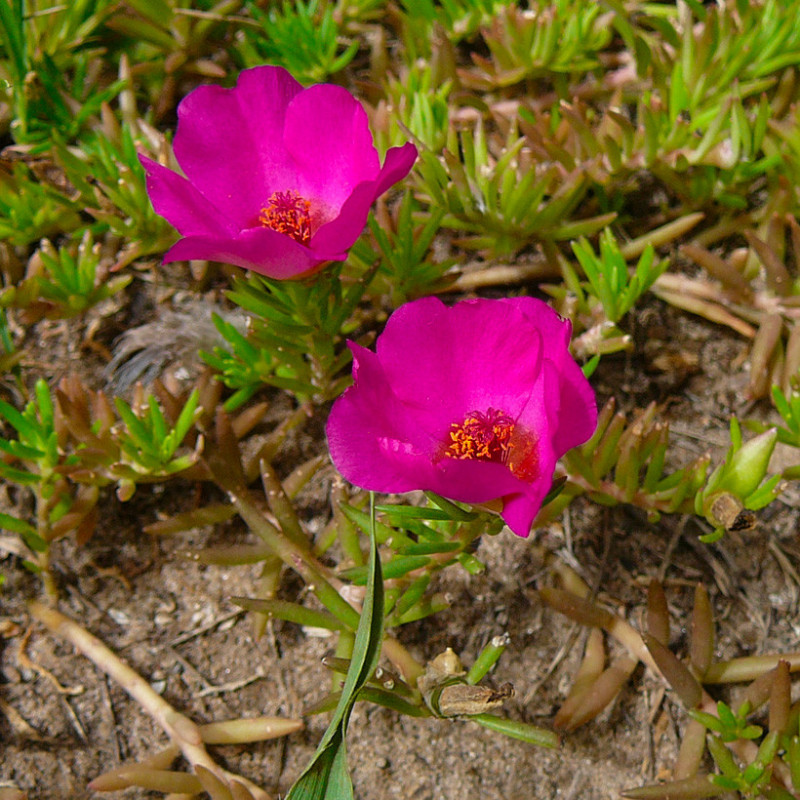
{"x":318,"y":579}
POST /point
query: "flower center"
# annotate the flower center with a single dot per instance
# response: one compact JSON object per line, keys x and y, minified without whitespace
{"x":496,"y":437}
{"x":483,"y":437}
{"x":288,"y":212}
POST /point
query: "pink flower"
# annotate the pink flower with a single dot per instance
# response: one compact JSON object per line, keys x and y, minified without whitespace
{"x":279,"y":179}
{"x":475,"y":402}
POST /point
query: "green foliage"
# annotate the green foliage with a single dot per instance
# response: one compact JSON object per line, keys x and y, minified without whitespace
{"x":740,"y":481}
{"x":30,"y":210}
{"x":597,"y":304}
{"x":746,"y":765}
{"x":65,"y":451}
{"x":421,"y":541}
{"x":408,"y":268}
{"x":98,"y":178}
{"x":709,"y":110}
{"x":327,"y":776}
{"x":109,"y":185}
{"x":358,"y":11}
{"x":784,"y":146}
{"x":171,"y":41}
{"x":410,"y":538}
{"x":419,"y":106}
{"x":295,"y":337}
{"x":302,"y":36}
{"x":754,"y":777}
{"x":170,"y":26}
{"x":9,"y":354}
{"x":788,"y":406}
{"x":546,"y":40}
{"x":502,"y":203}
{"x":707,"y":115}
{"x":738,"y":44}
{"x":608,"y":277}
{"x":37,"y":442}
{"x":459,"y":19}
{"x":727,"y":724}
{"x":248,"y":364}
{"x":702,"y":161}
{"x":718,"y":163}
{"x":35,"y":459}
{"x":48,"y":67}
{"x":587,"y":113}
{"x":624,"y":462}
{"x":66,"y":283}
{"x":148,"y":445}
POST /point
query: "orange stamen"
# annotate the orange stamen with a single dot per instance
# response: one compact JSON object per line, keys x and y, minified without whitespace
{"x":496,"y":437}
{"x":483,"y":437}
{"x":288,"y":213}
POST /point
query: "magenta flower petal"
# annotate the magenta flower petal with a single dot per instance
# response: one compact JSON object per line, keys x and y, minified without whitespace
{"x":474,"y":402}
{"x":390,"y":452}
{"x":520,"y":509}
{"x":247,"y":250}
{"x":379,"y":451}
{"x":478,"y":353}
{"x":341,"y":232}
{"x":472,"y":481}
{"x":576,"y":403}
{"x":327,"y":135}
{"x":396,"y":166}
{"x":279,"y":179}
{"x":183,"y":206}
{"x":229,"y":142}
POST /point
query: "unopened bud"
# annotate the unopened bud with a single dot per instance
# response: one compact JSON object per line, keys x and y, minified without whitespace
{"x":734,"y":481}
{"x":125,"y":490}
{"x":743,"y":474}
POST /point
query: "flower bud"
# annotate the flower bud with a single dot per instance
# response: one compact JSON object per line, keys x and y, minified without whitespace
{"x":724,"y":501}
{"x":743,"y":473}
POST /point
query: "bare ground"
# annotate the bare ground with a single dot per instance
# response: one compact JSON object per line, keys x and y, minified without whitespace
{"x":171,"y":620}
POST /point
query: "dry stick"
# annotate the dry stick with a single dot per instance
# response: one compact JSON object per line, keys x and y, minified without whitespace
{"x":748,"y":668}
{"x":178,"y":727}
{"x":703,"y":298}
{"x":500,"y":274}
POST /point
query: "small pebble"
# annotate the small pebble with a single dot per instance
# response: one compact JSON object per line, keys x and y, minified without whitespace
{"x":162,"y":619}
{"x":120,"y":617}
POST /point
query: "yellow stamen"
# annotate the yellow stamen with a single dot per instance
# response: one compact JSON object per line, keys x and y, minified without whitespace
{"x":496,"y":437}
{"x":484,"y":437}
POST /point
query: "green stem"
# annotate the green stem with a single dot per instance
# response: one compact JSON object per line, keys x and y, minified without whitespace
{"x":316,"y":576}
{"x":319,"y":580}
{"x":43,"y":531}
{"x":281,"y":506}
{"x":275,"y":439}
{"x":409,"y":668}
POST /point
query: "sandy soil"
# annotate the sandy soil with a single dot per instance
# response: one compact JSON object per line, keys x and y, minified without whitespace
{"x":171,"y":620}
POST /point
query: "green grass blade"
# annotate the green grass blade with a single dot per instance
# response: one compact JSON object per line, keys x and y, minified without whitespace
{"x":327,"y":778}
